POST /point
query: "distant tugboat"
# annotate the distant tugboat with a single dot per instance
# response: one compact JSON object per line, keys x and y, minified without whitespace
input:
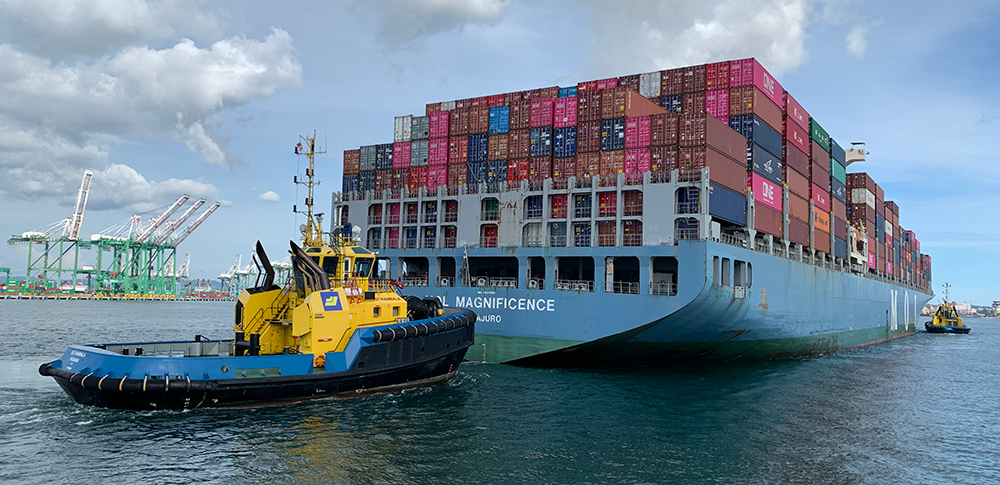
{"x":947,"y":319}
{"x":333,"y":329}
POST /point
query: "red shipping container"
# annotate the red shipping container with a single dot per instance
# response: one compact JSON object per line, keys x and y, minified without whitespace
{"x":819,"y":175}
{"x":663,"y":129}
{"x":717,"y":75}
{"x":542,"y":112}
{"x":439,"y":124}
{"x":795,"y":135}
{"x":539,"y":168}
{"x":612,"y":164}
{"x":607,"y":203}
{"x":706,"y":130}
{"x":588,"y":165}
{"x":693,"y":103}
{"x":611,"y":82}
{"x":822,"y":157}
{"x":795,"y":159}
{"x":519,"y":144}
{"x":749,"y":72}
{"x":480,"y":101}
{"x":693,"y":78}
{"x":586,"y":87}
{"x":838,"y":209}
{"x":563,"y":168}
{"x":612,"y":103}
{"x":401,"y":154}
{"x":588,"y":106}
{"x":458,"y":149}
{"x":691,"y":131}
{"x":798,"y":232}
{"x":840,"y":228}
{"x":663,"y":159}
{"x":820,"y":197}
{"x":437,"y":151}
{"x":496,"y":100}
{"x":750,"y":100}
{"x":457,"y":174}
{"x":717,"y":103}
{"x":517,"y":170}
{"x":671,"y":82}
{"x":352,"y":162}
{"x":497,"y":147}
{"x":798,"y":184}
{"x":418,"y":179}
{"x":768,"y":221}
{"x":821,"y":241}
{"x":794,"y":111}
{"x":432,"y":108}
{"x":861,"y":180}
{"x":520,"y":115}
{"x":637,"y":132}
{"x":549,"y":92}
{"x":637,"y":161}
{"x":798,"y":208}
{"x":383,"y":180}
{"x":400,"y":178}
{"x":631,"y":82}
{"x":722,"y":169}
{"x":637,"y":105}
{"x":479,"y":119}
{"x":588,"y":137}
{"x":459,"y":122}
{"x":764,"y":191}
{"x":565,"y":112}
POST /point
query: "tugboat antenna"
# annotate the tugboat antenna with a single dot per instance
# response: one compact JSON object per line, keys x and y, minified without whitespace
{"x":312,"y":236}
{"x":946,"y":288}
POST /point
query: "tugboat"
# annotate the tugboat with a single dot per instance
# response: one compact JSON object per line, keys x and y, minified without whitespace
{"x":946,"y":319}
{"x":333,"y":329}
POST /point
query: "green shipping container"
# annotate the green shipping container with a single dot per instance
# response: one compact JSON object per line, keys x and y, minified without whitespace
{"x":817,"y":133}
{"x":838,"y":171}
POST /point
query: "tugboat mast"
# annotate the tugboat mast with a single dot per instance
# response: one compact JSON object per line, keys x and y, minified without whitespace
{"x":312,"y":233}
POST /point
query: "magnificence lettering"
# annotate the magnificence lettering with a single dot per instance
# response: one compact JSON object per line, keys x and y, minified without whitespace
{"x":500,"y":303}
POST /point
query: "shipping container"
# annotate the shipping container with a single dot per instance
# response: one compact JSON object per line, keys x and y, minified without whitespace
{"x":564,"y":142}
{"x":694,"y":78}
{"x":727,"y":205}
{"x":479,"y":146}
{"x":588,"y":136}
{"x":612,"y":164}
{"x":539,"y":169}
{"x":519,"y":144}
{"x":854,"y":181}
{"x":476,"y":173}
{"x":649,"y":84}
{"x":401,"y":154}
{"x":565,"y":112}
{"x":613,"y":134}
{"x":587,"y":166}
{"x":749,"y":72}
{"x":458,"y":122}
{"x":821,"y":241}
{"x":630,"y":81}
{"x":673,"y":103}
{"x":567,"y":92}
{"x":496,"y":172}
{"x":637,"y":132}
{"x":432,"y":108}
{"x":798,"y":232}
{"x":839,"y":228}
{"x":637,"y":162}
{"x":541,"y":142}
{"x":542,"y":112}
{"x":663,"y":129}
{"x":796,"y":135}
{"x":401,"y":127}
{"x":479,"y":119}
{"x":366,"y":158}
{"x":717,"y":75}
{"x":457,"y":174}
{"x":613,"y":103}
{"x":383,"y":156}
{"x":694,"y":104}
{"x":588,"y":106}
{"x":796,"y":159}
{"x":795,"y":113}
{"x":722,"y":169}
{"x":763,"y":163}
{"x":558,"y":206}
{"x":563,"y":168}
{"x":440,"y":124}
{"x":366,"y":180}
{"x":437,"y":176}
{"x":350,"y":183}
{"x":497,"y":148}
{"x":662,"y":160}
{"x":840,"y":248}
{"x":765,"y":192}
{"x":818,"y":175}
{"x":798,"y":208}
{"x":798,"y":184}
{"x":837,"y":171}
{"x":437,"y":151}
{"x":839,"y":209}
{"x":819,"y":135}
{"x":499,"y":120}
{"x":821,"y":221}
{"x":352,"y":162}
{"x":420,"y":128}
{"x":518,"y":170}
{"x":837,"y":153}
{"x":820,"y":197}
{"x":754,"y":129}
{"x":419,"y":153}
{"x":520,"y":115}
{"x":768,"y":221}
{"x":458,"y":150}
{"x":837,"y":191}
{"x":671,"y":82}
{"x":750,"y":100}
{"x":717,"y":104}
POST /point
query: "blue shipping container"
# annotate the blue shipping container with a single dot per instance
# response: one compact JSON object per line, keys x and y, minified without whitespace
{"x":764,"y":163}
{"x":499,"y":120}
{"x":565,"y":142}
{"x":383,"y":157}
{"x":541,"y":141}
{"x":879,"y":229}
{"x":567,"y":92}
{"x":837,"y":153}
{"x":496,"y":171}
{"x":673,"y":103}
{"x":727,"y":205}
{"x":613,"y":134}
{"x":350,"y":183}
{"x":478,"y":147}
{"x":366,"y":180}
{"x":840,"y":248}
{"x":476,"y":172}
{"x":755,"y":130}
{"x":837,"y":190}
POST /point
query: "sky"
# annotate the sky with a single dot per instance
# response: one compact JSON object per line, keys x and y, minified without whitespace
{"x":163,"y":98}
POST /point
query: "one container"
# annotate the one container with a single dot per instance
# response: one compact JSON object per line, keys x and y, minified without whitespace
{"x":497,"y":149}
{"x":722,"y":169}
{"x":437,"y":151}
{"x":796,"y":159}
{"x":479,"y":119}
{"x":401,"y":128}
{"x":747,"y":72}
{"x":439,"y":124}
{"x":520,"y":115}
{"x":631,"y":82}
{"x":798,"y":232}
{"x":476,"y":173}
{"x":673,"y":103}
{"x":401,"y":154}
{"x":350,"y":183}
{"x":649,"y":84}
{"x":819,"y":135}
{"x":671,"y":81}
{"x":768,"y":221}
{"x":663,"y":129}
{"x":383,"y":156}
{"x":587,"y":166}
{"x":612,"y":164}
{"x":717,"y":103}
{"x":837,"y":190}
{"x":352,"y":162}
{"x":565,"y":110}
{"x":563,"y":168}
{"x":613,"y":134}
{"x":420,"y":128}
{"x":797,"y":136}
{"x":755,"y":130}
{"x":798,"y":208}
{"x":838,"y":172}
{"x":567,"y":92}
{"x":611,"y":82}
{"x":795,"y":113}
{"x":662,"y":160}
{"x":519,"y":144}
{"x":837,"y":153}
{"x":840,"y":248}
{"x":588,"y":136}
{"x":765,"y":192}
{"x":637,"y":161}
{"x":637,"y":132}
{"x":564,"y":142}
{"x":419,"y":153}
{"x":797,"y":183}
{"x":499,"y":120}
{"x":588,"y":106}
{"x":819,"y":175}
{"x":764,"y":163}
{"x":612,"y":103}
{"x":517,"y":170}
{"x":418,"y":179}
{"x":727,"y":205}
{"x":479,"y":146}
{"x":839,"y":209}
{"x":694,"y":103}
{"x":366,"y":158}
{"x":458,"y":150}
{"x":818,"y":155}
{"x":821,"y":221}
{"x":539,"y":169}
{"x":820,"y":197}
{"x":717,"y":75}
{"x":541,"y":141}
{"x":542,"y":112}
{"x":750,"y":100}
{"x":694,"y":78}
{"x":821,"y":241}
{"x":839,"y":228}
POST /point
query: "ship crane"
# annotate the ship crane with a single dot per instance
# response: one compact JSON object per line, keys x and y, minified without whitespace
{"x":173,"y":226}
{"x":156,"y":223}
{"x":194,"y":225}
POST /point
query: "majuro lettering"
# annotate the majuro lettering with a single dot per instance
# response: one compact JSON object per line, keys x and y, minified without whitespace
{"x":500,"y":303}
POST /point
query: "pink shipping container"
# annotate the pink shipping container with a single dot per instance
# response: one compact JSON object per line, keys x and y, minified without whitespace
{"x":796,"y":135}
{"x":542,"y":112}
{"x":401,"y":154}
{"x":764,"y":191}
{"x":437,"y":176}
{"x":637,"y":132}
{"x":637,"y":161}
{"x":437,"y":151}
{"x":717,"y":104}
{"x":611,"y":82}
{"x":749,"y":72}
{"x":820,"y":197}
{"x":795,"y":112}
{"x":565,"y":112}
{"x":871,"y":259}
{"x":439,"y":124}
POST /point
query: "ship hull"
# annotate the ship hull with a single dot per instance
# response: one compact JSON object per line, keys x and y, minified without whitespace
{"x":788,"y":309}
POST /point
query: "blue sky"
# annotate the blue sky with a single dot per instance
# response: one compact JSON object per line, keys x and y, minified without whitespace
{"x":208,"y":98}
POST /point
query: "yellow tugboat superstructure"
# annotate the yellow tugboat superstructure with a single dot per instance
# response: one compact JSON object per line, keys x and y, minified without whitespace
{"x":946,"y":319}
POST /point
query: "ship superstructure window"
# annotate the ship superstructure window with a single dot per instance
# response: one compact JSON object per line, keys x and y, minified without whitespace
{"x":411,"y":212}
{"x":446,"y":271}
{"x":501,"y":272}
{"x":686,"y":228}
{"x":559,"y":207}
{"x":715,"y":270}
{"x":688,"y":200}
{"x":451,"y":211}
{"x":726,"y":265}
{"x":375,"y":214}
{"x":557,"y":234}
{"x":375,"y":238}
{"x":383,"y":268}
{"x":430,"y":212}
{"x":429,"y":237}
{"x":632,"y":203}
{"x":574,"y":274}
{"x":536,"y":273}
{"x":488,"y":234}
{"x":739,"y":273}
{"x":582,"y":206}
{"x":663,"y":276}
{"x":622,"y":275}
{"x":414,"y":271}
{"x":490,"y":209}
{"x":330,"y":266}
{"x":410,"y":237}
{"x":450,"y":236}
{"x":362,"y":266}
{"x":533,"y":207}
{"x":532,"y":235}
{"x":581,"y":234}
{"x":749,"y":275}
{"x":393,"y":211}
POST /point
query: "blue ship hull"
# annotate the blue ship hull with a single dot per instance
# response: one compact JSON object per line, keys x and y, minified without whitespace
{"x":787,"y":308}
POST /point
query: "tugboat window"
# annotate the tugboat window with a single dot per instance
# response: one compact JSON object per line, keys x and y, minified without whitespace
{"x":330,"y":266}
{"x":362,"y":267}
{"x":375,"y":311}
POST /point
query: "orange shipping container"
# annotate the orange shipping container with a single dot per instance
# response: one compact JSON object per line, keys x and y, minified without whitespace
{"x":821,"y":221}
{"x":497,"y":147}
{"x":821,"y":241}
{"x":798,"y":208}
{"x":588,"y":165}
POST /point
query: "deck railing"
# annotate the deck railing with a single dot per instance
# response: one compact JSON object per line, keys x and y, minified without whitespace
{"x":624,"y":287}
{"x":662,"y":288}
{"x":574,"y":285}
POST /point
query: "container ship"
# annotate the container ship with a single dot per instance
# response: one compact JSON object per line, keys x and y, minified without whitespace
{"x":697,"y":212}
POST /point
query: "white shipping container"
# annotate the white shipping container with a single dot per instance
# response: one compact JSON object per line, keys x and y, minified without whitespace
{"x":401,"y":128}
{"x":447,"y":105}
{"x":888,"y":228}
{"x":649,"y":84}
{"x":863,"y":196}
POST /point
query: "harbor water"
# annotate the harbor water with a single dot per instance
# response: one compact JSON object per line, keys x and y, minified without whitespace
{"x":919,"y":409}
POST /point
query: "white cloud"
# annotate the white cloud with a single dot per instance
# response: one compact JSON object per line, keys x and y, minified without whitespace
{"x":409,"y":23}
{"x":857,"y":43}
{"x":120,"y":186}
{"x":269,"y":196}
